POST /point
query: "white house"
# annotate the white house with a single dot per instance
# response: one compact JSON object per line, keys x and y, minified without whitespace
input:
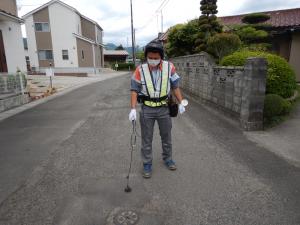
{"x":58,"y":34}
{"x":12,"y":56}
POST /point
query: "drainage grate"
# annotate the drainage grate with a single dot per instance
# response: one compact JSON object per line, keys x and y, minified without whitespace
{"x":126,"y":218}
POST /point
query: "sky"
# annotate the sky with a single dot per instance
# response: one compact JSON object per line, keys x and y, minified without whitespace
{"x":114,"y":15}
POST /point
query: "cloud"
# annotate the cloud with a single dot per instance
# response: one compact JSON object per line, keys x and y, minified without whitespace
{"x":114,"y":15}
{"x":249,"y":6}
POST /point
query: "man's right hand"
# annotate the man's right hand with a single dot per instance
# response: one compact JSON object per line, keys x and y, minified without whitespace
{"x":132,"y":115}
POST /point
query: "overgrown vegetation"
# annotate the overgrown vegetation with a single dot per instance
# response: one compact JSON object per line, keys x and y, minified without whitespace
{"x":223,"y":44}
{"x":181,"y":39}
{"x":140,"y":55}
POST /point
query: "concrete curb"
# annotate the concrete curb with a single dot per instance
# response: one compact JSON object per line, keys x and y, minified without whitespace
{"x":6,"y":114}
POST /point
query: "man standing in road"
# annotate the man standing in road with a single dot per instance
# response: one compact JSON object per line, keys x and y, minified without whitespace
{"x":152,"y":84}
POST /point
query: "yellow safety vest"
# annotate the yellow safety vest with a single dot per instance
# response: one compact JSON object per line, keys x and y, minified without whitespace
{"x":158,"y":96}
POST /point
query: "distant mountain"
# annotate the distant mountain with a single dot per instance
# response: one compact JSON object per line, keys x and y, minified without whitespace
{"x":110,"y":46}
{"x":138,"y":49}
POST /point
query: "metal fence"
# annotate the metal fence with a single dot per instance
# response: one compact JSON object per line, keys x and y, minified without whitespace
{"x":12,"y":84}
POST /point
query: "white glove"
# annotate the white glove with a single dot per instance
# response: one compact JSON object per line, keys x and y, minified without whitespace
{"x":132,"y":115}
{"x":181,"y":109}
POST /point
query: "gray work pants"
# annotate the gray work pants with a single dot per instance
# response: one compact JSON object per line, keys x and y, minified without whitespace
{"x":148,"y":116}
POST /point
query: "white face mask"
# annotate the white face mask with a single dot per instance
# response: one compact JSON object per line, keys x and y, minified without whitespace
{"x":153,"y":62}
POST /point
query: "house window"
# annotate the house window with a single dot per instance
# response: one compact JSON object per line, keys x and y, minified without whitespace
{"x":42,"y":27}
{"x":82,"y":54}
{"x":65,"y":54}
{"x":45,"y":55}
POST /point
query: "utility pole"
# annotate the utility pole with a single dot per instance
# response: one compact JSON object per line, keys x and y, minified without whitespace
{"x":132,"y":34}
{"x":134,"y":41}
{"x":162,"y":21}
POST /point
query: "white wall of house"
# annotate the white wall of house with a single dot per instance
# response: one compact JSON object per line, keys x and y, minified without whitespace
{"x":13,"y":45}
{"x":99,"y":35}
{"x":78,"y":24}
{"x":32,"y":48}
{"x":64,"y":22}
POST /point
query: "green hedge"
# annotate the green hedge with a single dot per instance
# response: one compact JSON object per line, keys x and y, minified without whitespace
{"x":124,"y":66}
{"x":276,"y":106}
{"x":281,"y":79}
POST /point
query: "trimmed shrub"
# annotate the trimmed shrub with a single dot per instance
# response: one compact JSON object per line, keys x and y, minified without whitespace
{"x":250,"y":35}
{"x":287,"y":107}
{"x":223,"y":44}
{"x":281,"y":78}
{"x":275,"y":106}
{"x":255,"y":33}
{"x":208,"y":24}
{"x":255,"y":18}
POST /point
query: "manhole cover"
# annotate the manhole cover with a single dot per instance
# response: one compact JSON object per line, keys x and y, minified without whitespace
{"x":126,"y":218}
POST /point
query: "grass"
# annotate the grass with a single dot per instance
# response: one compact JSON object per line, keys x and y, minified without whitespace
{"x":275,"y":121}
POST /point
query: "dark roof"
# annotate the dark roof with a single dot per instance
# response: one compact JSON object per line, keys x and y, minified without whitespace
{"x":279,"y":18}
{"x":162,"y":36}
{"x":10,"y":15}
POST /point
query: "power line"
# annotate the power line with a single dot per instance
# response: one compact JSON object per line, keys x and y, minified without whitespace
{"x":29,"y":5}
{"x":163,"y":5}
{"x":160,"y":8}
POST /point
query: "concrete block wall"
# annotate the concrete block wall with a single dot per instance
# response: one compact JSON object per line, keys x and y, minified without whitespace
{"x":11,"y":92}
{"x":238,"y":90}
{"x":13,"y":101}
{"x":10,"y":84}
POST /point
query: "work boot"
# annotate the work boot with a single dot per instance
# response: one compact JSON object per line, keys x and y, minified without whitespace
{"x":170,"y":164}
{"x":147,"y":172}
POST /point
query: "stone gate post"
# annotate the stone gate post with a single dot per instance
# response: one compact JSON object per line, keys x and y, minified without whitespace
{"x":253,"y":96}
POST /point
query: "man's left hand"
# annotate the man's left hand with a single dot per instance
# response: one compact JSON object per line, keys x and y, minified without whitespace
{"x":181,"y":109}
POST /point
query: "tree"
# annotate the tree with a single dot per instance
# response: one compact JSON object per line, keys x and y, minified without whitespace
{"x":255,"y":34}
{"x":140,"y":55}
{"x":181,"y":39}
{"x":208,"y":24}
{"x":120,"y":47}
{"x":223,"y":44}
{"x":255,"y":18}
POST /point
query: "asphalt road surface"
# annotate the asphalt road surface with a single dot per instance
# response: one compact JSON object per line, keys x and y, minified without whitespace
{"x":65,"y":162}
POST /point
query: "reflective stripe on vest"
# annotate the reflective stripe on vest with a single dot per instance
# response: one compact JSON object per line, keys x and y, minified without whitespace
{"x":151,"y":90}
